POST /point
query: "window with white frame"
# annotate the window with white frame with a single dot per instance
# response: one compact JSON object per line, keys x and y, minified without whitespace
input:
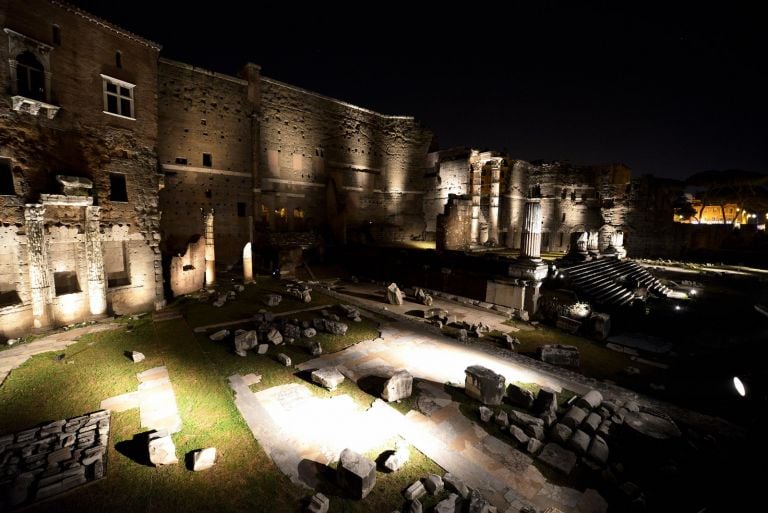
{"x":118,"y":97}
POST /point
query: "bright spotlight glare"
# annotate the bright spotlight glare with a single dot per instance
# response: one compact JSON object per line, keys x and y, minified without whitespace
{"x":677,"y":307}
{"x":693,"y":292}
{"x":739,"y":386}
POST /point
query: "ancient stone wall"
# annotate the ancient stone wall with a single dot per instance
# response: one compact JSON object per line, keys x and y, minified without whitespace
{"x":205,"y":151}
{"x":63,"y":129}
{"x":43,"y":461}
{"x":188,"y":270}
{"x":454,"y":224}
{"x":325,"y":161}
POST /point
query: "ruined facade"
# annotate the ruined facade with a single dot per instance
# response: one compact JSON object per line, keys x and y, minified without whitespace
{"x":79,"y":222}
{"x":573,"y":198}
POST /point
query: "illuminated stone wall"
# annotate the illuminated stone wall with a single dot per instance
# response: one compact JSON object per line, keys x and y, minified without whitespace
{"x":325,"y":161}
{"x":202,"y":112}
{"x":66,"y":132}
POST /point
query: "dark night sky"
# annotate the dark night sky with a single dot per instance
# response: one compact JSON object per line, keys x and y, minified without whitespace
{"x":668,"y":91}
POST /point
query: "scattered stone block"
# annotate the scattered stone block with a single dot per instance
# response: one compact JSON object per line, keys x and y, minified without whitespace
{"x":518,"y":436}
{"x":502,"y":420}
{"x":605,"y":429}
{"x":328,"y":377}
{"x":356,"y":473}
{"x":590,"y":400}
{"x":451,"y":504}
{"x":485,"y":413}
{"x":519,"y":396}
{"x":284,"y":359}
{"x":219,"y":335}
{"x":309,"y":332}
{"x":477,"y":504}
{"x":394,"y":295}
{"x":574,"y":417}
{"x":203,"y":459}
{"x":558,"y":458}
{"x":598,"y":450}
{"x":315,"y":348}
{"x":559,"y":354}
{"x":510,"y":342}
{"x":632,"y":406}
{"x":162,"y":451}
{"x":533,"y":447}
{"x":262,"y":348}
{"x":546,"y":400}
{"x":523,"y":419}
{"x":415,"y":491}
{"x":462,"y":335}
{"x":534,"y":431}
{"x":399,"y":386}
{"x":319,"y":503}
{"x":245,"y":341}
{"x":452,"y":482}
{"x":484,"y":385}
{"x":579,"y":442}
{"x":433,"y":484}
{"x":591,"y":423}
{"x":291,"y":331}
{"x":398,"y":460}
{"x":560,"y":433}
{"x":137,"y":357}
{"x":274,"y":337}
{"x":272,"y":299}
{"x":415,"y":506}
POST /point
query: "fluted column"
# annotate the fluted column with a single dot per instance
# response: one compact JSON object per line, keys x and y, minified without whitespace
{"x":97,"y":290}
{"x":475,"y":177}
{"x":210,"y":253}
{"x":37,"y":255}
{"x":530,"y":246}
{"x":493,"y":222}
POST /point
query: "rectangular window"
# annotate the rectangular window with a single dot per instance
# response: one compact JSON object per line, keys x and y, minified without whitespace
{"x":56,"y":35}
{"x":117,"y":187}
{"x":65,"y":282}
{"x":181,"y":160}
{"x":240,"y":209}
{"x":116,"y":264}
{"x":6,"y":178}
{"x":118,"y":97}
{"x":119,"y":59}
{"x":207,"y":160}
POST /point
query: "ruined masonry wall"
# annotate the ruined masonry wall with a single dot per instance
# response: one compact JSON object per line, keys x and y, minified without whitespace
{"x":44,"y":461}
{"x":339,"y":163}
{"x":205,"y":112}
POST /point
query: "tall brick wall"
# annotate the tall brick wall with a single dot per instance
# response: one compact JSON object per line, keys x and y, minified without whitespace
{"x":335,"y":163}
{"x":205,"y":112}
{"x":80,"y":140}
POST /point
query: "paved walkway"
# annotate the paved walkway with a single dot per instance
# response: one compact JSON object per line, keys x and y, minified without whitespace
{"x":154,"y":398}
{"x":16,"y":356}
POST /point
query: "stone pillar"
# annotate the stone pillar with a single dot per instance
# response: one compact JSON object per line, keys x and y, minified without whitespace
{"x":493,"y":222}
{"x":593,"y":244}
{"x":37,"y":254}
{"x":532,"y":296}
{"x":247,"y":264}
{"x":94,"y":257}
{"x":475,"y":177}
{"x":530,"y":245}
{"x":210,"y":253}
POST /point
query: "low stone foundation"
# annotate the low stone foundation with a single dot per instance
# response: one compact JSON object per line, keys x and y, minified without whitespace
{"x":43,"y":461}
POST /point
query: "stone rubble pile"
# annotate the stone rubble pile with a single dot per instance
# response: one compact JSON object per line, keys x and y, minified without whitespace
{"x":300,"y":291}
{"x":53,"y":458}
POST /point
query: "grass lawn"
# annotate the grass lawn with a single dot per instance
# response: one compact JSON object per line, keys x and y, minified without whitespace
{"x":244,"y":478}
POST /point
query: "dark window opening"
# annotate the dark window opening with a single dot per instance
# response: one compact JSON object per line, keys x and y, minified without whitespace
{"x":116,"y":264}
{"x":188,"y":267}
{"x":563,"y":218}
{"x":573,"y":196}
{"x":561,"y":238}
{"x":6,"y":178}
{"x":30,"y":77}
{"x":208,"y":194}
{"x":65,"y":282}
{"x":9,"y":297}
{"x":203,"y":122}
{"x":563,"y":194}
{"x":119,"y":59}
{"x":207,"y":160}
{"x":117,"y":187}
{"x":56,"y":35}
{"x":181,"y":160}
{"x":240,"y":209}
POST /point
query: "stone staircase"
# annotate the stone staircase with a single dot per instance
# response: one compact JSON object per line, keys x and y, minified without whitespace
{"x":610,"y":281}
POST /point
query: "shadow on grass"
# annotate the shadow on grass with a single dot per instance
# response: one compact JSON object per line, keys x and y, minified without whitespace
{"x":136,"y":449}
{"x":415,"y":313}
{"x":381,"y":459}
{"x":373,"y":385}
